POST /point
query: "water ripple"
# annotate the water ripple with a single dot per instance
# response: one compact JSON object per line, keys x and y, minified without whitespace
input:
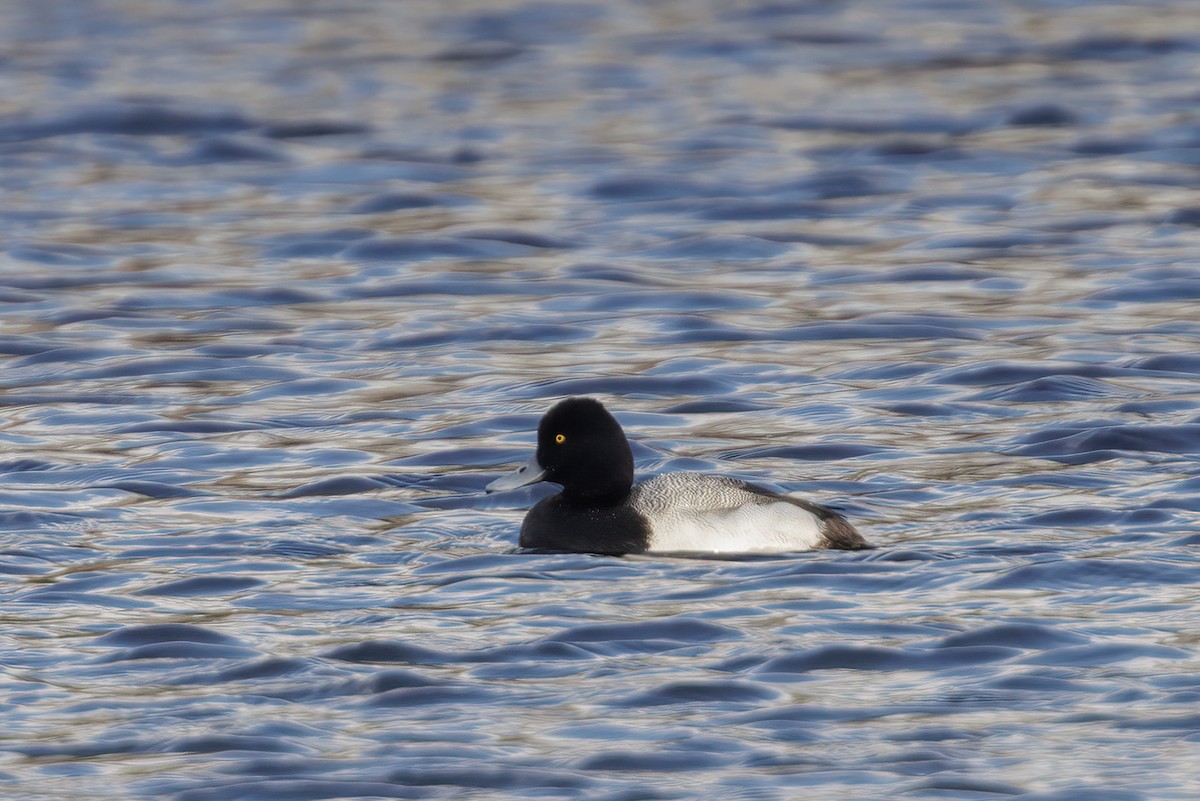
{"x":283,"y":291}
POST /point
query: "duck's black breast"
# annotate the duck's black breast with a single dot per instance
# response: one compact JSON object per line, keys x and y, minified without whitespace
{"x":555,"y":524}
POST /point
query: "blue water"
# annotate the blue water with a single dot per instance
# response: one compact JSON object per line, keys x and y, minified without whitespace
{"x":284,"y":285}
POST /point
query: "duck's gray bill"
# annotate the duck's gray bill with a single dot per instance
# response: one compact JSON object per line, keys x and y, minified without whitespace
{"x":529,"y":473}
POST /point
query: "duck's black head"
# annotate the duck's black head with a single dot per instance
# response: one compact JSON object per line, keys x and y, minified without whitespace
{"x":582,"y":447}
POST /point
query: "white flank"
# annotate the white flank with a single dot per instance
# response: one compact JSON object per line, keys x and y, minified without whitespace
{"x":714,"y":514}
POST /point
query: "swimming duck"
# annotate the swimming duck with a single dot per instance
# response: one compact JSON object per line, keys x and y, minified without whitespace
{"x":600,"y":510}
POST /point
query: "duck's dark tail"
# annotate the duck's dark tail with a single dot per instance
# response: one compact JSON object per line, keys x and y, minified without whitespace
{"x":837,"y":532}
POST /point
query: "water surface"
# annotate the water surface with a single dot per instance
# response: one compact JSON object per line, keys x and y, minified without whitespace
{"x":284,"y":286}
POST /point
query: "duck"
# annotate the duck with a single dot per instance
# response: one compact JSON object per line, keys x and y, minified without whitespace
{"x":600,"y":510}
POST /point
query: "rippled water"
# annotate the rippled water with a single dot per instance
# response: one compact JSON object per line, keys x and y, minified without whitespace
{"x":284,"y":285}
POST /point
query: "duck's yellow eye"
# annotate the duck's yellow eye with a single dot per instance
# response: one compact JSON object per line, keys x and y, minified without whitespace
{"x":560,"y":438}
